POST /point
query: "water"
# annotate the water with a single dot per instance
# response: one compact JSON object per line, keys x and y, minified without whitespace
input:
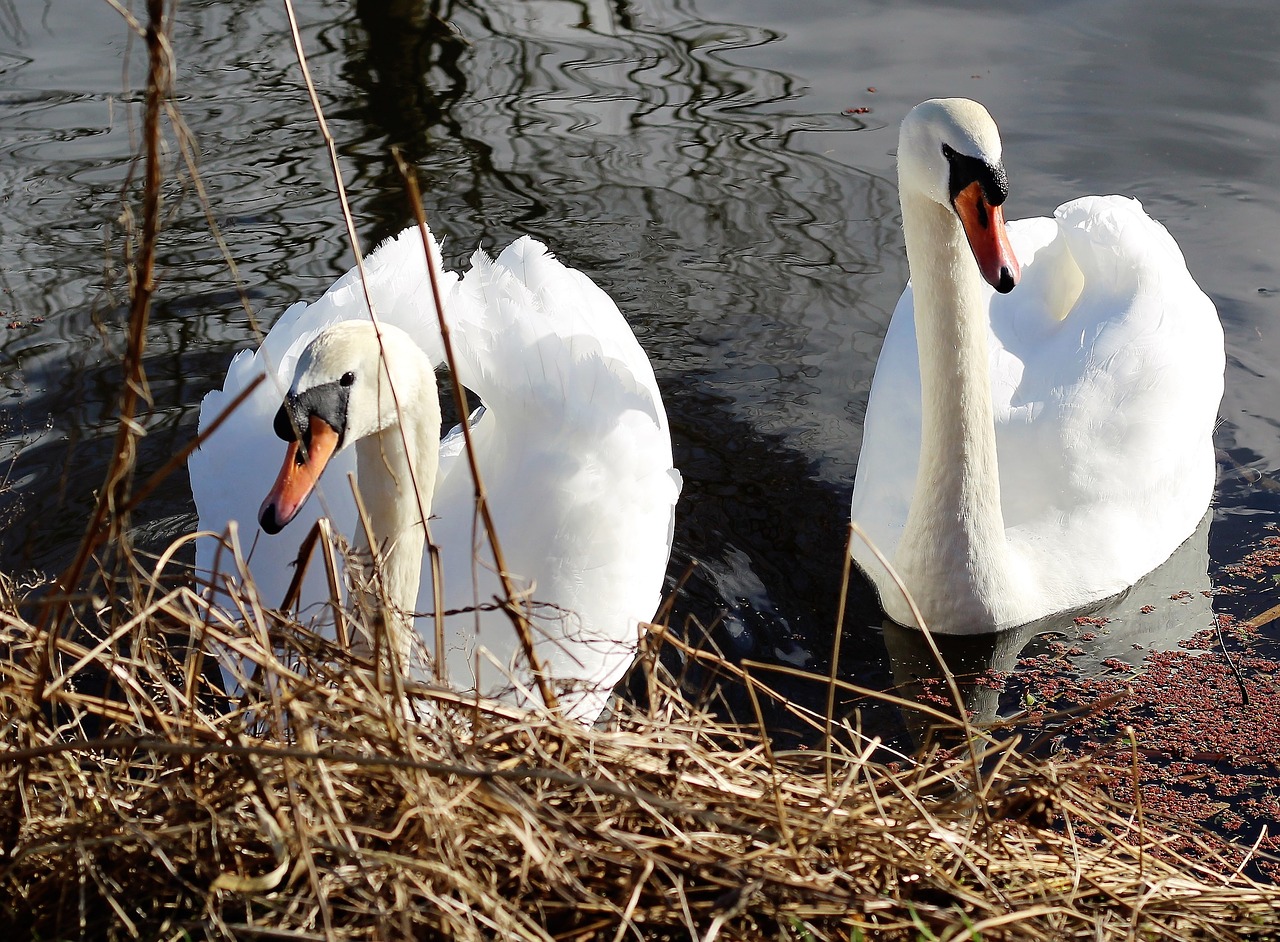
{"x":695,"y":158}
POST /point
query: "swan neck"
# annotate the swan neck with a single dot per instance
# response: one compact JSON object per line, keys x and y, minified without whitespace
{"x":396,"y":485}
{"x":953,"y":553}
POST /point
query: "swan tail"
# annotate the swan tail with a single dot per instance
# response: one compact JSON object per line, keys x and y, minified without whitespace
{"x":538,"y":338}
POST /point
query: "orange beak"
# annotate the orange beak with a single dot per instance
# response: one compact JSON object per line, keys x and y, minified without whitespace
{"x":988,"y":238}
{"x":298,"y":476}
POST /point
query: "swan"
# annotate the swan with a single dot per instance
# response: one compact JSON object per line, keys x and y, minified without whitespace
{"x":1031,"y":450}
{"x":572,"y":443}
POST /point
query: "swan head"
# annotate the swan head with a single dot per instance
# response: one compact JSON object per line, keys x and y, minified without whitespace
{"x":342,"y":392}
{"x":949,"y":152}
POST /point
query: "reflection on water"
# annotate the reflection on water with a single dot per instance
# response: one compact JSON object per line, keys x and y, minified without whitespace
{"x":1165,"y":607}
{"x":690,"y":156}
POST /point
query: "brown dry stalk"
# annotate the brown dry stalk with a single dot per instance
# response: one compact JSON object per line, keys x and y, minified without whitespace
{"x":107,"y":520}
{"x":517,"y":612}
{"x":512,"y":603}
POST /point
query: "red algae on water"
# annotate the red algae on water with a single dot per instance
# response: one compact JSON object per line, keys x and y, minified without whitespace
{"x":1193,"y":736}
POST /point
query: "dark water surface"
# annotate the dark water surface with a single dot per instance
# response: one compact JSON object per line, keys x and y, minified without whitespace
{"x":695,"y":157}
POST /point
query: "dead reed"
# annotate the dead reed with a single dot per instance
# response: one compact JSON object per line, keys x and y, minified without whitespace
{"x":136,"y":801}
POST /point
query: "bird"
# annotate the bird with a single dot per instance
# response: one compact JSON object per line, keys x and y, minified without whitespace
{"x":571,"y":440}
{"x":1038,"y":434}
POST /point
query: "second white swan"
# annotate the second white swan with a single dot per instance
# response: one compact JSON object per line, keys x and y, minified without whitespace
{"x":1029,"y":450}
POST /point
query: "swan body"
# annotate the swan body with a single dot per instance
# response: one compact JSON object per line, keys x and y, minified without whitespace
{"x":572,"y":445}
{"x":1029,"y":450}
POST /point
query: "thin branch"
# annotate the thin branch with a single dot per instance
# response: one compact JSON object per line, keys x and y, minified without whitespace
{"x":518,"y":615}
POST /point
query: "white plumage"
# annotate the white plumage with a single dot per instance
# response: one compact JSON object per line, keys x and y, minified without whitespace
{"x":1104,"y":370}
{"x":573,"y":447}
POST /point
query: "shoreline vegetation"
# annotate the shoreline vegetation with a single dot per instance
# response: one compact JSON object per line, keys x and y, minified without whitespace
{"x":138,"y":802}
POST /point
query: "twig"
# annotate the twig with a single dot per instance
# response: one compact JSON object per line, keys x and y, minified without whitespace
{"x":1231,"y":662}
{"x":106,"y":518}
{"x":519,"y":617}
{"x":349,"y":220}
{"x":954,"y":688}
{"x":835,"y":650}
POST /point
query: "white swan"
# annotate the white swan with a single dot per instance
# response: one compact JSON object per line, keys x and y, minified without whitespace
{"x":573,"y":448}
{"x":1032,"y":452}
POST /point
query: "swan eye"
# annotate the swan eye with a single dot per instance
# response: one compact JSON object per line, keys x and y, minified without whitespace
{"x":947,"y":152}
{"x":347,"y":378}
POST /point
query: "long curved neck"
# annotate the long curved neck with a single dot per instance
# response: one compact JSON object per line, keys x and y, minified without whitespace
{"x":396,"y":508}
{"x":953,"y":555}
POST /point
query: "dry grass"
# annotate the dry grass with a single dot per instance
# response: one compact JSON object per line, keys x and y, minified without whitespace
{"x":137,"y":802}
